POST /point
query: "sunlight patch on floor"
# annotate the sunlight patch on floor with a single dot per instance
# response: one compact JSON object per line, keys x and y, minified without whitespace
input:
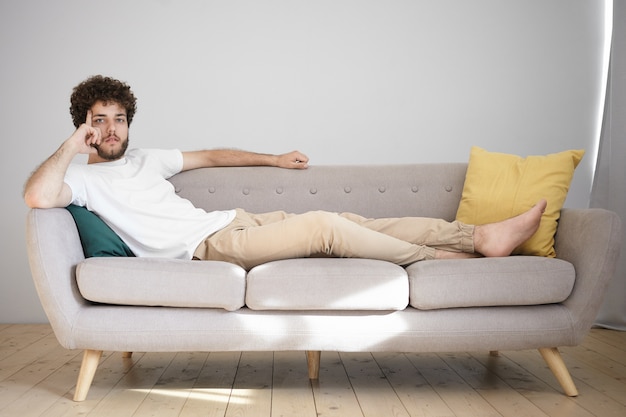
{"x":226,"y":395}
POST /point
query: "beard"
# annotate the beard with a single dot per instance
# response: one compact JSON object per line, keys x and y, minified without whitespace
{"x":113,"y":155}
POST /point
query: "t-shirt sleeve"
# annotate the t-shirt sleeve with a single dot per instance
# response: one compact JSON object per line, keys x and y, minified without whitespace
{"x":167,"y":161}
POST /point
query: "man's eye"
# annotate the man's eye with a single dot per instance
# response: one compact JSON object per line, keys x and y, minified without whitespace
{"x":121,"y":120}
{"x":98,"y":121}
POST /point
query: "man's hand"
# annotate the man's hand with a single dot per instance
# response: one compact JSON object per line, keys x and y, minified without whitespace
{"x":86,"y":137}
{"x":293,"y":160}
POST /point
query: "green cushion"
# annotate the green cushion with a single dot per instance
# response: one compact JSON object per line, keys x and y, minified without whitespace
{"x":96,"y":237}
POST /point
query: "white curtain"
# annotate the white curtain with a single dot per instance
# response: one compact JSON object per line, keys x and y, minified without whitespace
{"x":609,"y":185}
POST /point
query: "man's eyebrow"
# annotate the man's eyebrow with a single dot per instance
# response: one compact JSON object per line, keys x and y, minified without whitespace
{"x":104,"y":115}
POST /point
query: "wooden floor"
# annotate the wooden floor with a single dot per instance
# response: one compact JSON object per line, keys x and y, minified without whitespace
{"x":37,"y":378}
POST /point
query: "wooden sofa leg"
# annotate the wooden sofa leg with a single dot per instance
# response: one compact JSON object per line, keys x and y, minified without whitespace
{"x":313,"y":362}
{"x":553,"y":358}
{"x":91,"y":360}
{"x":127,"y":355}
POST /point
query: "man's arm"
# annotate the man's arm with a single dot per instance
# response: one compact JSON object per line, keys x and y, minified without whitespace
{"x":232,"y":158}
{"x":46,"y":187}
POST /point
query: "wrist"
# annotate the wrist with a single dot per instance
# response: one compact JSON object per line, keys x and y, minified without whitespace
{"x":70,"y":145}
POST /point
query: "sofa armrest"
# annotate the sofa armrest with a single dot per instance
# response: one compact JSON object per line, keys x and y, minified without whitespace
{"x":54,"y":249}
{"x":591,"y":240}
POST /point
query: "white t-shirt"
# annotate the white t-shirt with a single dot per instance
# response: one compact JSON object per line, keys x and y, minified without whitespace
{"x":132,"y":195}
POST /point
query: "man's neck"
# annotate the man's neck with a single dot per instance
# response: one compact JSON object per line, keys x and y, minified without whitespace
{"x":94,"y":158}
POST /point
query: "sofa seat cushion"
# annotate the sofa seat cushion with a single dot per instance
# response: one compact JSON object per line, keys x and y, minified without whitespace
{"x":162,"y":282}
{"x":327,"y":284}
{"x":509,"y":281}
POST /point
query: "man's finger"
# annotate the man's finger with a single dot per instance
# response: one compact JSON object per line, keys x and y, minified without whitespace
{"x":95,"y":137}
{"x":88,"y":120}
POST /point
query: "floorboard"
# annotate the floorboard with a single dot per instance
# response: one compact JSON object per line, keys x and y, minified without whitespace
{"x":38,"y":378}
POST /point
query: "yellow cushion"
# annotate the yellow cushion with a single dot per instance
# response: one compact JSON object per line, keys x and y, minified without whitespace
{"x":499,"y":186}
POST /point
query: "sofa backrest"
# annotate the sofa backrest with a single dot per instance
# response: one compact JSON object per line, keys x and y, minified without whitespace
{"x":428,"y":190}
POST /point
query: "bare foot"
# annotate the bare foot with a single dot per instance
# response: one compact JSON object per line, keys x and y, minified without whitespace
{"x":501,"y":238}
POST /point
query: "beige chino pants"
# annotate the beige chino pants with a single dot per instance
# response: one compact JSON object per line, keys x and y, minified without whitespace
{"x":254,"y":239}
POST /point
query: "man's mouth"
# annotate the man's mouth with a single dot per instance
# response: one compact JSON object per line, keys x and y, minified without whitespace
{"x":111,"y":139}
{"x":107,"y":140}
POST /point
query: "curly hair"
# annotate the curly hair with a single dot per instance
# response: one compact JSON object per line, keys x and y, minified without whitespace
{"x":100,"y":88}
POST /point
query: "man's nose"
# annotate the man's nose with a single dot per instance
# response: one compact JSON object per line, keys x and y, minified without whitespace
{"x":111,"y":128}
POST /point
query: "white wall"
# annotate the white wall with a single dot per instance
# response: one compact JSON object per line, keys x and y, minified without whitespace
{"x":353,"y":82}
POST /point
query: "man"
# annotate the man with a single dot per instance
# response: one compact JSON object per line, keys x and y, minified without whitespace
{"x":130,"y":192}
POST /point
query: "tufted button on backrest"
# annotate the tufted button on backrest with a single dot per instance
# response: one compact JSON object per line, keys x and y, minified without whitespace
{"x":429,"y":190}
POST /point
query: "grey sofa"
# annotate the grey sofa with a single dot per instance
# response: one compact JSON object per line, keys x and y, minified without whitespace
{"x":324,"y":304}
